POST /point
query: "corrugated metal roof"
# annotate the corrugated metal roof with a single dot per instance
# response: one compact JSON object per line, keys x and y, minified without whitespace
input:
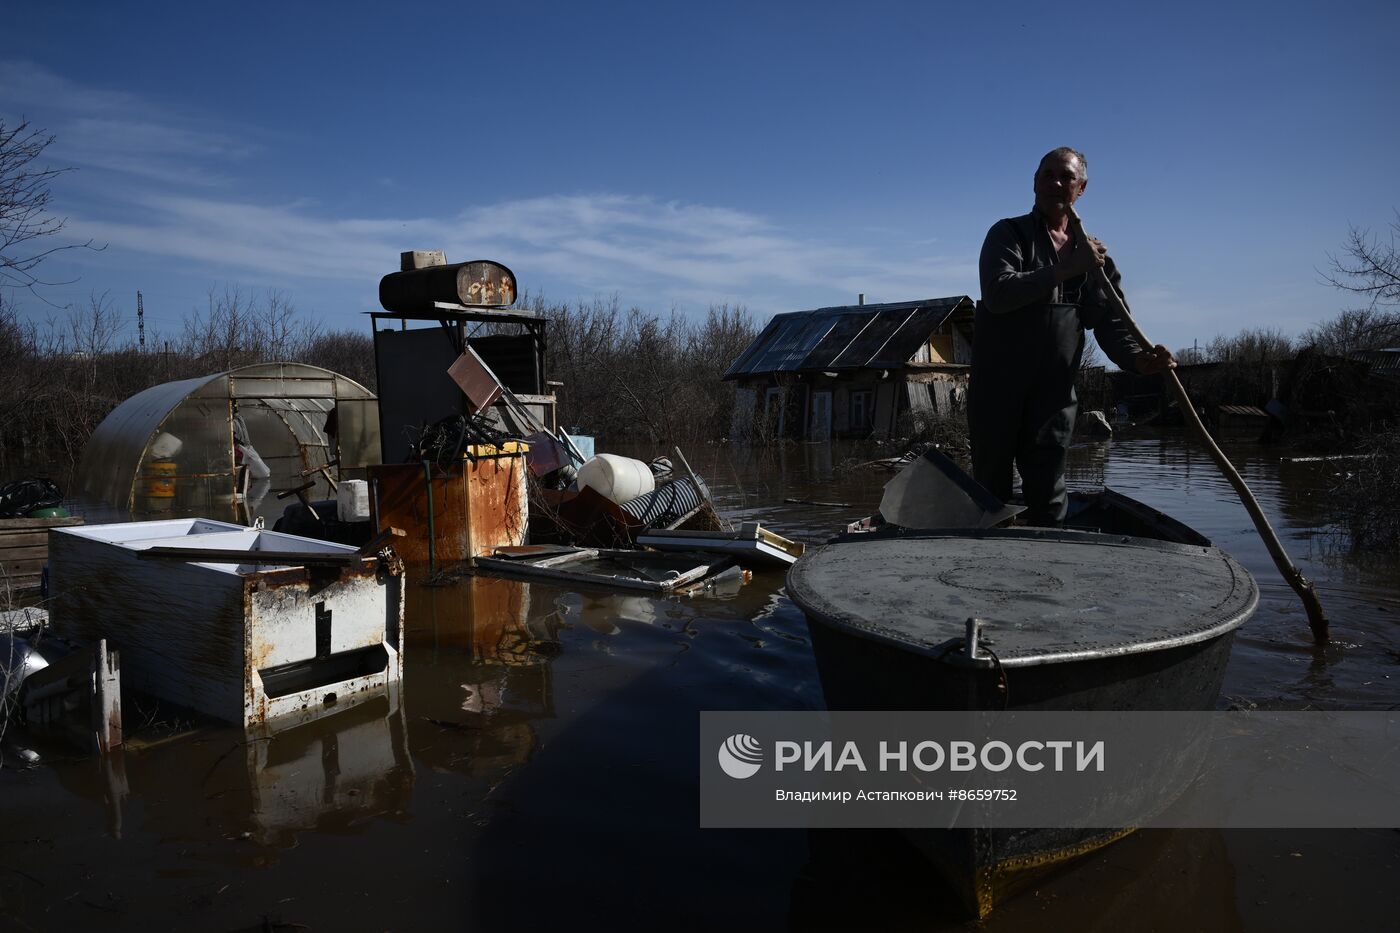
{"x":1385,"y":362}
{"x":881,"y":336}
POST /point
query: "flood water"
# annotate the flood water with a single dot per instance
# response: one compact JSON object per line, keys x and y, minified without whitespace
{"x":540,"y":768}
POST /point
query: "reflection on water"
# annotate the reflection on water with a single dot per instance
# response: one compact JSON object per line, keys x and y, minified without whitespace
{"x":540,"y":768}
{"x":1273,"y":663}
{"x":347,"y":767}
{"x":324,"y":775}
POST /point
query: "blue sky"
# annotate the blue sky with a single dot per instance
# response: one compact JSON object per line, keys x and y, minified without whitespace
{"x":778,"y":156}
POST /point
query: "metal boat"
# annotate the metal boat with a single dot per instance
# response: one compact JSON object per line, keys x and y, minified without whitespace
{"x":1125,"y":608}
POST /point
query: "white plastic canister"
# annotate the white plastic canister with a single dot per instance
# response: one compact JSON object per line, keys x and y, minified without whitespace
{"x":352,"y":500}
{"x":617,"y":478}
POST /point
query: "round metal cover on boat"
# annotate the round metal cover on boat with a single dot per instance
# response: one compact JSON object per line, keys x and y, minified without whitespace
{"x":1041,"y":596}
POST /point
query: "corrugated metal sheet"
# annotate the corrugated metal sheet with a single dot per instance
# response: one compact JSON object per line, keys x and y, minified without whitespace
{"x":1384,"y":363}
{"x":845,"y":330}
{"x":1244,"y":411}
{"x":872,"y":339}
{"x":791,"y":343}
{"x":756,"y":349}
{"x":881,"y":336}
{"x":912,"y":335}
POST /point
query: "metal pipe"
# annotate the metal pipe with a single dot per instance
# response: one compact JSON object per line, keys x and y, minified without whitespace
{"x":432,"y":532}
{"x":970,"y":639}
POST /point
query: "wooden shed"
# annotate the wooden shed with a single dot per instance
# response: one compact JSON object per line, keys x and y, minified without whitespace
{"x":854,"y":371}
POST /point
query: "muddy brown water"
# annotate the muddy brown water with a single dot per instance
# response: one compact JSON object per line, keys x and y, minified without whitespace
{"x":540,"y":769}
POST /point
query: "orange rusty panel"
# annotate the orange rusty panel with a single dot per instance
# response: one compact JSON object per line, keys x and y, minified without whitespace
{"x":477,"y":506}
{"x":497,"y":502}
{"x":403,"y":503}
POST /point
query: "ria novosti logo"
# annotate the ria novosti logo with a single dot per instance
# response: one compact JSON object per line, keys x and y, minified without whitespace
{"x":740,"y":756}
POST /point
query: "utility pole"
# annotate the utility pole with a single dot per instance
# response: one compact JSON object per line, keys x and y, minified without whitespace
{"x":140,"y":321}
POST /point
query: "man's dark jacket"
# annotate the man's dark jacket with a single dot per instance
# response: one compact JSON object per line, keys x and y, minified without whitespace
{"x":1027,"y":346}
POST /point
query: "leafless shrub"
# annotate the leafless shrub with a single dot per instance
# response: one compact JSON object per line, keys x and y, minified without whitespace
{"x":1355,"y":330}
{"x":638,"y":375}
{"x":1366,"y":498}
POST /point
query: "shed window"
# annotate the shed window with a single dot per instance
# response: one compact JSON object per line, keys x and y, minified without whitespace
{"x":860,"y":409}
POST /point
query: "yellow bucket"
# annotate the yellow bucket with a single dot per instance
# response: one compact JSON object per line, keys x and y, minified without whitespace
{"x":159,"y":484}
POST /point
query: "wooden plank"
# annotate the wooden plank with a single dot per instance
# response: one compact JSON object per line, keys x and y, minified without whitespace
{"x":24,"y":538}
{"x":795,"y":548}
{"x":385,"y":537}
{"x":550,"y":574}
{"x":11,"y":524}
{"x":555,"y":568}
{"x":740,"y":535}
{"x":38,"y":551}
{"x":531,"y":551}
{"x":751,"y":536}
{"x":106,"y":699}
{"x":11,"y":568}
{"x":745,"y":552}
{"x":559,"y":560}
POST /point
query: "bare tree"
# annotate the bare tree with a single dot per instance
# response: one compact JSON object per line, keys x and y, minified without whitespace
{"x":79,"y":353}
{"x":239,"y":327}
{"x":1369,"y":265}
{"x":93,"y":330}
{"x":1355,"y":329}
{"x":1251,"y":345}
{"x":349,"y":353}
{"x":24,"y":204}
{"x":1189,"y":356}
{"x":277,"y":332}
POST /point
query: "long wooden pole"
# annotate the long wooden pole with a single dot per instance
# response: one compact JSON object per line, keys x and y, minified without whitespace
{"x":1317,"y":621}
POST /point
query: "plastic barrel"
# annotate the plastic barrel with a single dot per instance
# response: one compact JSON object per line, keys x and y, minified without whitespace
{"x":620,"y":479}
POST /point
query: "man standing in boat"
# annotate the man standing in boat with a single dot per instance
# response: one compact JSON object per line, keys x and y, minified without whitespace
{"x":1037,"y":301}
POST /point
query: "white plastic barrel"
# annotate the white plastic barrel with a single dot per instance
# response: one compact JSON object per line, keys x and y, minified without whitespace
{"x":617,"y":478}
{"x":352,"y":500}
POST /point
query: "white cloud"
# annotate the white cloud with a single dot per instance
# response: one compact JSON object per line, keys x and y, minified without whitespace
{"x":119,"y":132}
{"x":652,"y":251}
{"x":25,"y":85}
{"x":663,"y":251}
